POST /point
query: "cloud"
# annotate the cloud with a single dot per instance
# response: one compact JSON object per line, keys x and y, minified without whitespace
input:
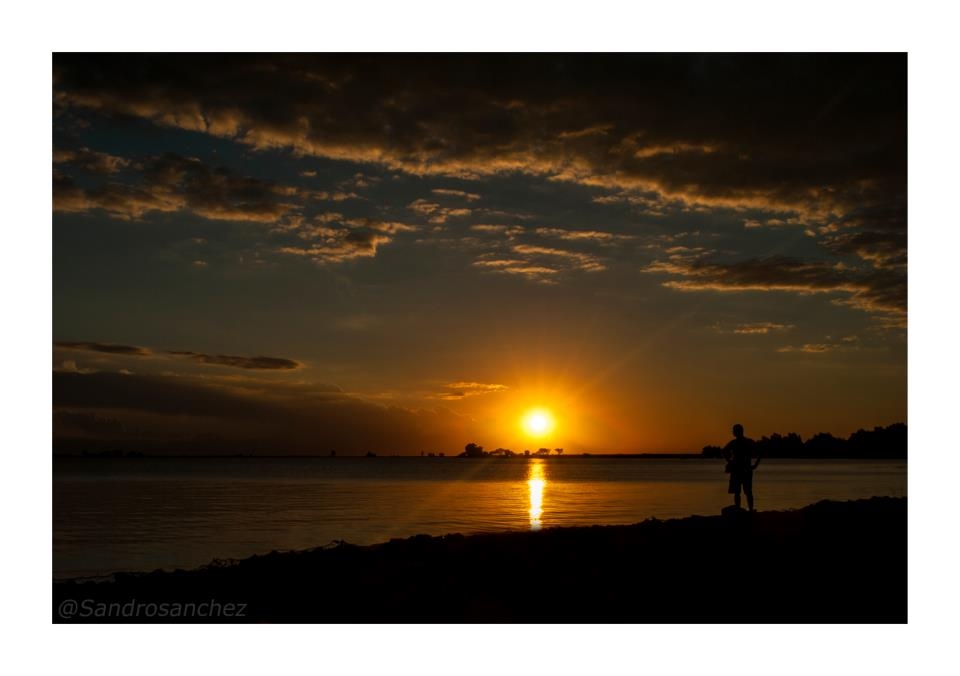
{"x":847,"y":343}
{"x":90,"y":160}
{"x":351,"y":245}
{"x":267,"y":363}
{"x":436,"y":213}
{"x":878,"y":292}
{"x":70,"y":366}
{"x":809,"y":348}
{"x":171,"y":183}
{"x":751,"y":223}
{"x":86,"y":424}
{"x":759,"y":328}
{"x":336,"y":239}
{"x":816,"y":141}
{"x":838,"y":140}
{"x":335,"y":196}
{"x":649,"y":203}
{"x":445,"y":192}
{"x":596,"y":236}
{"x":359,"y":181}
{"x":534,"y":262}
{"x":519,"y":267}
{"x":159,"y":394}
{"x":108,"y":348}
{"x":877,"y":235}
{"x":259,"y":362}
{"x":574,"y":259}
{"x":462,"y":389}
{"x":508,"y":230}
{"x":181,"y":414}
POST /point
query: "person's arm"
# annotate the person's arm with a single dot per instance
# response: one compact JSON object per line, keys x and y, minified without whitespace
{"x":757,"y":463}
{"x":726,"y":452}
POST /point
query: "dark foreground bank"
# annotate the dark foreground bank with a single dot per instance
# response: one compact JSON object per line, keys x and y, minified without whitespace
{"x":829,"y":562}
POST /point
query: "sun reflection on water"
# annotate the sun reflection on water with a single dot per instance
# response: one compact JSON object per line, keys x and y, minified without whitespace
{"x":535,"y":483}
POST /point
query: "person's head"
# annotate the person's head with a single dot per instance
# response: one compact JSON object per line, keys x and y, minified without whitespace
{"x":738,"y":430}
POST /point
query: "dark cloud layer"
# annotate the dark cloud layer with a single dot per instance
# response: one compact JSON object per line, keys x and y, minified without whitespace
{"x":109,"y":348}
{"x":177,"y":414}
{"x":268,"y":363}
{"x":882,"y":292}
{"x":812,"y":139}
{"x":797,"y":131}
{"x":156,"y":394}
{"x":258,"y":362}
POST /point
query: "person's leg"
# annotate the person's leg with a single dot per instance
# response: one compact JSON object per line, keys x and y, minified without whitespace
{"x":736,"y":498}
{"x":749,"y":493}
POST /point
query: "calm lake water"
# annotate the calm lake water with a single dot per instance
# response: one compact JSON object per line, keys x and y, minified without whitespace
{"x":143,"y":514}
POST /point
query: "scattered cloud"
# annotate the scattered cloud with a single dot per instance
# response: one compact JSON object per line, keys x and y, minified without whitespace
{"x":90,"y":161}
{"x":346,"y":245}
{"x":436,"y":213}
{"x":462,"y":389}
{"x":751,"y":223}
{"x":335,"y":196}
{"x":519,"y":267}
{"x":259,"y":362}
{"x":266,"y":363}
{"x":336,"y":239}
{"x":574,"y":259}
{"x":876,"y":291}
{"x":761,"y":328}
{"x":108,"y":348}
{"x":508,"y":230}
{"x":845,"y":344}
{"x":809,"y":348}
{"x":595,"y":236}
{"x":445,"y":192}
{"x":171,"y":183}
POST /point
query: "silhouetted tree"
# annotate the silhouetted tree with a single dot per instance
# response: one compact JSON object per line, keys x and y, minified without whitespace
{"x":473,"y":451}
{"x":543,"y":451}
{"x":712,"y":452}
{"x":824,"y":445}
{"x":558,"y":451}
{"x":881,"y":442}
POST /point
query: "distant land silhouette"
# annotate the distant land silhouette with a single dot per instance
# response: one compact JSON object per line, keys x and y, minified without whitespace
{"x":879,"y":443}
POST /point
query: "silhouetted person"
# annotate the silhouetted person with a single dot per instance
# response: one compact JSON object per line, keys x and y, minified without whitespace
{"x":740,"y":465}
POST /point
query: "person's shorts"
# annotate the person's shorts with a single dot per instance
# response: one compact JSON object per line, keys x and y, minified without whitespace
{"x":741,"y":480}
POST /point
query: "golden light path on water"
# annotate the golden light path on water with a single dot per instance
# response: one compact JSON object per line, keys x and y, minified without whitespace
{"x":536,"y":483}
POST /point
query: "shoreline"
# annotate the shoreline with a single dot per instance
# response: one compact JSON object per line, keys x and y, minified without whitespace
{"x":821,"y":563}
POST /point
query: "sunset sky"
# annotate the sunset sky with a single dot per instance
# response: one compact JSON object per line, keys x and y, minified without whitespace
{"x":406,"y":253}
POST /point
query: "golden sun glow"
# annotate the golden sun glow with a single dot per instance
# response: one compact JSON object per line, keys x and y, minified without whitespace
{"x":538,"y":422}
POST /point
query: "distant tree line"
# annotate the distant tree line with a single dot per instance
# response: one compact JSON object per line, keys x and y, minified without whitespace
{"x":476,"y":451}
{"x":880,"y":442}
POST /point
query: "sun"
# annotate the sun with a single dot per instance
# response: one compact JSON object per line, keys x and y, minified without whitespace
{"x":538,"y":422}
